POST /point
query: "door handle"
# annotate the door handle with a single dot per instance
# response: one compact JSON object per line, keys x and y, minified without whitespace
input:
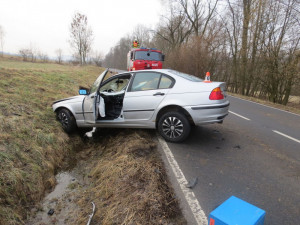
{"x":159,"y":93}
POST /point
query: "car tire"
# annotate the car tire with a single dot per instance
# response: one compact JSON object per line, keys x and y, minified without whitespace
{"x":174,"y":127}
{"x":67,"y":120}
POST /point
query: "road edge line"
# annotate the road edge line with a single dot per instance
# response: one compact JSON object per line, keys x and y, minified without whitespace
{"x":189,"y":195}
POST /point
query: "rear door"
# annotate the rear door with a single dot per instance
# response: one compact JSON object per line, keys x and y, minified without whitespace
{"x":91,"y":102}
{"x":145,"y":93}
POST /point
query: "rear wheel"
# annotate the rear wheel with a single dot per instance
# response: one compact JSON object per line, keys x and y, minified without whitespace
{"x":174,"y":126}
{"x":67,"y":120}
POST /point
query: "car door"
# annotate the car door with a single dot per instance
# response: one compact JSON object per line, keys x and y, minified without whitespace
{"x":143,"y":97}
{"x":91,"y":101}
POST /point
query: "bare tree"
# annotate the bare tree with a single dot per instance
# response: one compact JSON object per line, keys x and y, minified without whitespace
{"x":244,"y":50}
{"x":81,"y":37}
{"x":59,"y":53}
{"x":199,"y":13}
{"x":173,"y":30}
{"x":25,"y":53}
{"x":29,"y":54}
{"x":281,"y":51}
{"x":264,"y":41}
{"x":42,"y":56}
{"x":142,"y":34}
{"x":2,"y":36}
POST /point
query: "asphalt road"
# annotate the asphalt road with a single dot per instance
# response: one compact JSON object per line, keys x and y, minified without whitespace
{"x":254,"y":155}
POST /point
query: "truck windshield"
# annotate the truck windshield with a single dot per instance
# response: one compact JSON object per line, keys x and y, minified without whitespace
{"x":148,"y":55}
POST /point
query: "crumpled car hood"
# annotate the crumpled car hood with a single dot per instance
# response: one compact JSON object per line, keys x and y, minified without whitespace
{"x":78,"y":98}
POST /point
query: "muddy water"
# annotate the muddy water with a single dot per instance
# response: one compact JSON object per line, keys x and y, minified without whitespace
{"x":59,"y":200}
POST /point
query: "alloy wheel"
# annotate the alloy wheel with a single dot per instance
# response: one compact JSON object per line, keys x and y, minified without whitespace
{"x":172,"y":127}
{"x":63,"y":119}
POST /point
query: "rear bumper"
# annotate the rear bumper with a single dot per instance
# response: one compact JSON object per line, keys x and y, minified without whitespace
{"x":205,"y":114}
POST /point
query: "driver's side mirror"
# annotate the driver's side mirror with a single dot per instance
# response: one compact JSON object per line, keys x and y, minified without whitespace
{"x":83,"y":91}
{"x":162,"y":57}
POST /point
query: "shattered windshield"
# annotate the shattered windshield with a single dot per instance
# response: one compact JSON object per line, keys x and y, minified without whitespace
{"x":148,"y":55}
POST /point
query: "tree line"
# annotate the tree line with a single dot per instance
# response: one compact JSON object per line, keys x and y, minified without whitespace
{"x":252,"y":45}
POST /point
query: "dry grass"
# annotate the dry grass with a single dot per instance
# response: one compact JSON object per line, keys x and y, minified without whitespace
{"x":128,"y":183}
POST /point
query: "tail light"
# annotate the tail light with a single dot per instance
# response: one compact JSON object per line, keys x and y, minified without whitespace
{"x":216,"y":94}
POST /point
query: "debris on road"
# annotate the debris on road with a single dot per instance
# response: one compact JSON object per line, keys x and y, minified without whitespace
{"x":91,"y":216}
{"x":191,"y":184}
{"x":51,"y":212}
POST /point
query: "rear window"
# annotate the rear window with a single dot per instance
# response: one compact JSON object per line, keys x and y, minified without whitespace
{"x":165,"y":82}
{"x":186,"y":76}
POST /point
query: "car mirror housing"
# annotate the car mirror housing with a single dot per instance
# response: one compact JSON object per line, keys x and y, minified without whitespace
{"x":83,"y":91}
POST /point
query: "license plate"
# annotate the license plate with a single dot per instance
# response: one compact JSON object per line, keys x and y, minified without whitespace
{"x":155,"y":64}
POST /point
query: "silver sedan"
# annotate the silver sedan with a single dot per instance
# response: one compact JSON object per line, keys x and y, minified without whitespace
{"x":164,"y":99}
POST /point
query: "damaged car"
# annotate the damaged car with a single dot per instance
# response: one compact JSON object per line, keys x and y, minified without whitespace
{"x":163,"y":99}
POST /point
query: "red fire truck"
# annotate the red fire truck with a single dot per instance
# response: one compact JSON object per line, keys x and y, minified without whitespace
{"x":144,"y":58}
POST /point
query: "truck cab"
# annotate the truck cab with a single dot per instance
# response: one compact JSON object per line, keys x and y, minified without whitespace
{"x":144,"y":58}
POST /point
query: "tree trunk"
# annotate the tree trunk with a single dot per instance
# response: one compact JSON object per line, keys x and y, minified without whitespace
{"x":246,"y":20}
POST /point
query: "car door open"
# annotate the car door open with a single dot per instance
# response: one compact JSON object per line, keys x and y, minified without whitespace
{"x":91,"y":101}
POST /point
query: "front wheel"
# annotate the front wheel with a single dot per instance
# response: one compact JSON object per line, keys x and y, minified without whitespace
{"x":67,"y":120}
{"x":174,"y":127}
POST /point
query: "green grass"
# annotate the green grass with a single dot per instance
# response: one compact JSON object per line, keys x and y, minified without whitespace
{"x":32,"y":144}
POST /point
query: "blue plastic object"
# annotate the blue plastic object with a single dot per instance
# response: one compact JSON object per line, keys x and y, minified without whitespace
{"x":235,"y":211}
{"x":82,"y":92}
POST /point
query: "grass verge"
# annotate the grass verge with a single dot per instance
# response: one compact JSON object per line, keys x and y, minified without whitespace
{"x":32,"y":144}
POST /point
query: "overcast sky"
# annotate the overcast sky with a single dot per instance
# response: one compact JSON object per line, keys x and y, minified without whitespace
{"x":45,"y":23}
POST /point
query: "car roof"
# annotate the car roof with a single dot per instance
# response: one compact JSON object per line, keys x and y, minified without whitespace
{"x":155,"y":70}
{"x":169,"y":72}
{"x":148,"y":70}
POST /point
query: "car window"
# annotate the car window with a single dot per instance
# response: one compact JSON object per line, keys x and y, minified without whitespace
{"x":186,"y":76}
{"x":96,"y":84}
{"x":165,"y":82}
{"x":145,"y":81}
{"x":117,"y":84}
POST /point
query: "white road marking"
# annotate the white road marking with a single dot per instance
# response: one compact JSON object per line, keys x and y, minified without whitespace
{"x":265,"y":105}
{"x":245,"y":118}
{"x":287,"y":136}
{"x":189,"y":195}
